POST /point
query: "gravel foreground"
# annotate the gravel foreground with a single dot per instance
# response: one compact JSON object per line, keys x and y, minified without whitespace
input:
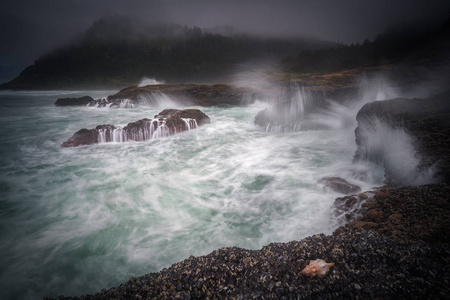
{"x":397,"y":249}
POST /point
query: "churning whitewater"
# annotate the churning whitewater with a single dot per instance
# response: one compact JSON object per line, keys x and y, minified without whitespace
{"x":156,"y":128}
{"x":76,"y":220}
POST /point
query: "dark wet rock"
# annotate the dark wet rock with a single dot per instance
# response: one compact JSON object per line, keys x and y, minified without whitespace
{"x":167,"y":122}
{"x":82,"y":137}
{"x":185,"y":94}
{"x":82,"y":101}
{"x":86,"y":136}
{"x":427,"y":121}
{"x":348,"y":208}
{"x":174,"y":117}
{"x":340,"y":185}
{"x":411,"y":212}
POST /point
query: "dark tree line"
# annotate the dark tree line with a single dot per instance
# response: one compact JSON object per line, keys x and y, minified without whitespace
{"x":392,"y":47}
{"x":120,"y":51}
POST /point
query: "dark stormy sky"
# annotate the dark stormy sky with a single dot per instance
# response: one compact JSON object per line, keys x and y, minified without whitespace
{"x":28,"y":27}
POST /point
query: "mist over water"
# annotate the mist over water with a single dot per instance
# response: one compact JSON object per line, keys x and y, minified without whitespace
{"x":76,"y":220}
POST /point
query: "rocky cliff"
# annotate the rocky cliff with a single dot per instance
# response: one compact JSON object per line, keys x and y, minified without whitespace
{"x":388,"y":131}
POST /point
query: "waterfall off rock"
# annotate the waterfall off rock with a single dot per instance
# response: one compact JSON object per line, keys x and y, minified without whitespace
{"x":166,"y":123}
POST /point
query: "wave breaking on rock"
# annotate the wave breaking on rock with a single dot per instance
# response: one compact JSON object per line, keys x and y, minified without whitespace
{"x":166,"y":123}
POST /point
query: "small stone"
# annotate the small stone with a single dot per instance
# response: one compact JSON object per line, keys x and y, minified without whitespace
{"x":183,"y":296}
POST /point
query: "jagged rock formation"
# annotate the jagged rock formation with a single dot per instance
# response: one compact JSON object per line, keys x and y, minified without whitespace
{"x":167,"y":122}
{"x":383,"y":124}
{"x":184,"y":94}
{"x":81,"y":101}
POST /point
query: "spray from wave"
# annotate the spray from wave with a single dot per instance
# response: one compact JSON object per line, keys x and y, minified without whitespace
{"x":293,"y":107}
{"x":149,"y":81}
{"x":394,"y":149}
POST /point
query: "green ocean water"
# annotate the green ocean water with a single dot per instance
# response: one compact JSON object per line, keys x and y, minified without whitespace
{"x":76,"y":220}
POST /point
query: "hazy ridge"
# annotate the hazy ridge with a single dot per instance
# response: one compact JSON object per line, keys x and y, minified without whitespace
{"x":118,"y":51}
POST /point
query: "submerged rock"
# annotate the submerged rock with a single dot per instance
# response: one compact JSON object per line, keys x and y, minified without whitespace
{"x":81,"y":101}
{"x":167,"y":122}
{"x":340,"y":185}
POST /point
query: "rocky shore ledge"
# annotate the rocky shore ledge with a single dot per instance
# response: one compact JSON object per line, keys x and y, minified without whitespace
{"x":398,"y":249}
{"x":185,"y":94}
{"x":200,"y":95}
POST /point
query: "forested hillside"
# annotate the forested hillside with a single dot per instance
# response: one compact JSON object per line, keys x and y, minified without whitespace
{"x":394,"y":46}
{"x":118,"y":51}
